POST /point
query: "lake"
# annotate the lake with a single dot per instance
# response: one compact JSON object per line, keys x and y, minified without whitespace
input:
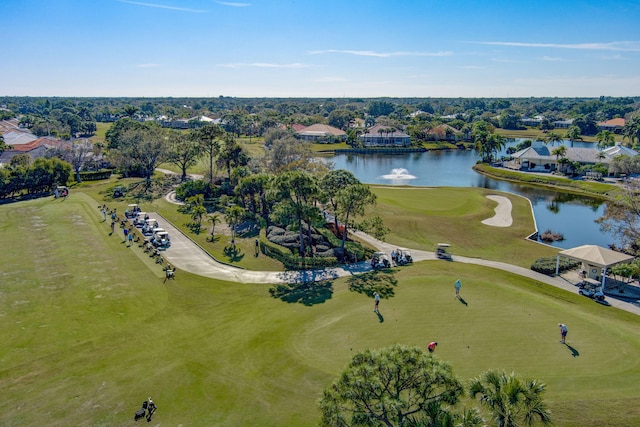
{"x":573,"y":216}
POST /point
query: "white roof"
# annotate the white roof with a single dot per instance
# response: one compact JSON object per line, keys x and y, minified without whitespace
{"x":597,"y":255}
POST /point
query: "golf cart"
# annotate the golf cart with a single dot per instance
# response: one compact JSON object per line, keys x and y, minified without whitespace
{"x":380,"y":260}
{"x":403,"y":257}
{"x":132,"y":210}
{"x":161,"y":239}
{"x":591,"y":289}
{"x":118,"y":191}
{"x":441,"y":251}
{"x":61,"y":191}
{"x":149,"y":225}
{"x":140,"y":218}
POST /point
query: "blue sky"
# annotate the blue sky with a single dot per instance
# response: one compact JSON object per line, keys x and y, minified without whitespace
{"x":320,"y":48}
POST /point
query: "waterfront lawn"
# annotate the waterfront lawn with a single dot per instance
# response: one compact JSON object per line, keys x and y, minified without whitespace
{"x":421,"y":217}
{"x":90,"y":331}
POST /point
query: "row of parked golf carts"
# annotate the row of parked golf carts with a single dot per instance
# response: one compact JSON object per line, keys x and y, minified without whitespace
{"x":149,"y":227}
{"x":399,"y":257}
{"x":403,"y":257}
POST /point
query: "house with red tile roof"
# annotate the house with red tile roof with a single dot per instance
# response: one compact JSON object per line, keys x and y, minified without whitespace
{"x":613,"y":125}
{"x":35,"y":149}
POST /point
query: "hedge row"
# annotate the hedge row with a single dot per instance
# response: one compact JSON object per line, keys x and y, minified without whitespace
{"x":548,"y":265}
{"x":294,"y":261}
{"x":95,"y":176}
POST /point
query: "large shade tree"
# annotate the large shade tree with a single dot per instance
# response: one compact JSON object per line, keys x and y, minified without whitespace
{"x":209,"y":137}
{"x":352,"y":201}
{"x":297,"y":193}
{"x":395,"y":386}
{"x":184,"y":151}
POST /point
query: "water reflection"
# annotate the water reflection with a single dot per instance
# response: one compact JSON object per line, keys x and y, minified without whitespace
{"x":572,"y":215}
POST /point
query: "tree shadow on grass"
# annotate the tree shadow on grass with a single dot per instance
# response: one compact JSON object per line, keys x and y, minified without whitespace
{"x":574,"y":352}
{"x":308,"y":293}
{"x":194,"y":227}
{"x":232,"y":253}
{"x":383,"y":282}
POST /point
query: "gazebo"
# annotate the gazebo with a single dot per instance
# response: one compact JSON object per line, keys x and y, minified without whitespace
{"x":595,"y":260}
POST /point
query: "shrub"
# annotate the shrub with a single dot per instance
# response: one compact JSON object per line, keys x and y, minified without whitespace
{"x":95,"y":176}
{"x":193,"y":188}
{"x":294,"y":261}
{"x":547,"y":265}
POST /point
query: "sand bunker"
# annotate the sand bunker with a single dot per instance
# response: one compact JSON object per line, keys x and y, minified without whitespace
{"x":502,"y":218}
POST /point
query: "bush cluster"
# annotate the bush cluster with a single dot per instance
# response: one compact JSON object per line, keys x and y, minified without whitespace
{"x":294,"y":261}
{"x":95,"y":175}
{"x":547,"y":265}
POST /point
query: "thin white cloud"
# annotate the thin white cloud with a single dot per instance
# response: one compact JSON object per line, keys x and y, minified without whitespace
{"x":625,"y":46}
{"x":507,"y":61}
{"x":330,"y":80}
{"x":264,"y":65}
{"x":147,"y":65}
{"x":378,"y":54}
{"x":162,"y":6}
{"x":233,"y":4}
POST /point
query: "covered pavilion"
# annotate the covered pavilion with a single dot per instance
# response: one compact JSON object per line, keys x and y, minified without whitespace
{"x":596,"y":260}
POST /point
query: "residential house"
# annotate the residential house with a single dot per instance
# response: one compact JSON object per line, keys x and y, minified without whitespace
{"x":35,"y":149}
{"x":563,"y":124}
{"x":613,"y":125}
{"x":443,"y":132}
{"x":384,"y":136}
{"x":532,"y":121}
{"x":539,"y":158}
{"x":322,"y":134}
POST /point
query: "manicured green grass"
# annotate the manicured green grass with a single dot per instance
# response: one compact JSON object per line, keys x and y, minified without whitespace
{"x":534,"y":133}
{"x":90,"y":329}
{"x":423,"y":217}
{"x":577,"y":186}
{"x":101,"y":130}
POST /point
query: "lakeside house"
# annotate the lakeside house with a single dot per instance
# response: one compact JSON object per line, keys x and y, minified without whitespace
{"x":384,"y":136}
{"x":539,"y":157}
{"x":443,"y":132}
{"x":321,"y":133}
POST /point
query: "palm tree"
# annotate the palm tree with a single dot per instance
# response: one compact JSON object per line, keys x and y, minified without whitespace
{"x":605,"y":138}
{"x":214,"y":219}
{"x":511,"y":400}
{"x":553,"y":137}
{"x":631,"y":131}
{"x":573,"y":134}
{"x":233,"y":217}
{"x":197,"y":209}
{"x":559,"y":152}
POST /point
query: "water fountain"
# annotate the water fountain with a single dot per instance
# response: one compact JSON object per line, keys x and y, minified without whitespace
{"x":398,"y":174}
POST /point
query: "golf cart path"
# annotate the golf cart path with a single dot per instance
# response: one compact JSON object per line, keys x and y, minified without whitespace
{"x":187,"y":255}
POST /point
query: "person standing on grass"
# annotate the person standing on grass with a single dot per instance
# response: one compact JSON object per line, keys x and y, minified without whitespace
{"x":563,"y":332}
{"x":130,"y":238}
{"x":126,"y":233}
{"x":432,"y":346}
{"x":376,"y":297}
{"x":458,"y":285}
{"x":113,"y":227}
